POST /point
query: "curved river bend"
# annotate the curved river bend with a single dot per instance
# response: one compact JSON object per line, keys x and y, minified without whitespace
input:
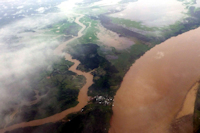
{"x":154,"y":90}
{"x":82,"y":97}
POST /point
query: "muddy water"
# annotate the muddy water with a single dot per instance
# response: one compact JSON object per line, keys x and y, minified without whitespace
{"x":82,"y":97}
{"x":154,"y":89}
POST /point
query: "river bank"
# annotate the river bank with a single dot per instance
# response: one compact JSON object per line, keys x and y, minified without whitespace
{"x":183,"y":122}
{"x":154,"y":89}
{"x":189,"y":103}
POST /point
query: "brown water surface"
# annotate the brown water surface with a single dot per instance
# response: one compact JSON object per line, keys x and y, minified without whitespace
{"x":154,"y":89}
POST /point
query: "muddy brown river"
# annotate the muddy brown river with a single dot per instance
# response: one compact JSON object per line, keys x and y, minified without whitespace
{"x":82,"y":97}
{"x":154,"y":90}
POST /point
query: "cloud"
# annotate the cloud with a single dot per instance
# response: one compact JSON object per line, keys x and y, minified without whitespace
{"x":20,"y":7}
{"x":106,"y":2}
{"x":31,"y":45}
{"x":24,"y":53}
{"x":68,"y":5}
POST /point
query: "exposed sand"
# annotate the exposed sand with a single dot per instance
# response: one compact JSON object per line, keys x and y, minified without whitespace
{"x":82,"y":97}
{"x":154,"y":89}
{"x":189,"y":103}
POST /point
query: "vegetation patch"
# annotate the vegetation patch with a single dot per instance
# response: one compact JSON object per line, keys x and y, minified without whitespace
{"x":90,"y":33}
{"x":64,"y":27}
{"x":127,"y":57}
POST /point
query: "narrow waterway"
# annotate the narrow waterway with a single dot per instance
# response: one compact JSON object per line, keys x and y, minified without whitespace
{"x":82,"y":97}
{"x":157,"y":86}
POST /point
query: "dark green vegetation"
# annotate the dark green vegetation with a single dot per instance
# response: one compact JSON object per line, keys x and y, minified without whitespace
{"x":128,"y":56}
{"x":58,"y":90}
{"x":87,"y":55}
{"x":196,"y":117}
{"x":105,"y":74}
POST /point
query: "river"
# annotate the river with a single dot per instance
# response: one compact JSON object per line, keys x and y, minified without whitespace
{"x":82,"y":97}
{"x":154,"y":90}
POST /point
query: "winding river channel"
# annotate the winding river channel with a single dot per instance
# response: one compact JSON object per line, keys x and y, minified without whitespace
{"x":158,"y":88}
{"x":154,"y":92}
{"x":82,"y":97}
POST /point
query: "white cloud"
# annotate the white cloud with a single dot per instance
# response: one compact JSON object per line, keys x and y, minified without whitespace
{"x":19,"y":12}
{"x":106,"y":2}
{"x":41,"y":9}
{"x":20,"y":7}
{"x":68,"y":5}
{"x":153,"y":12}
{"x":33,"y":51}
